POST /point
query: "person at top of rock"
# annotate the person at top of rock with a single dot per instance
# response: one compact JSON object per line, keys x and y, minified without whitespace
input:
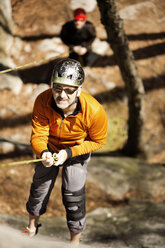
{"x":78,"y":35}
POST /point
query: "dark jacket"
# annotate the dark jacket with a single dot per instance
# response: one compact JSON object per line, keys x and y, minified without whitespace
{"x":73,"y":37}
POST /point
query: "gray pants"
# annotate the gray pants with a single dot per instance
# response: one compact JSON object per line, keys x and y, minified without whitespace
{"x":73,"y":179}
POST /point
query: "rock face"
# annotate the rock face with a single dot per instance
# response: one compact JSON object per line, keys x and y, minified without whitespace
{"x":126,"y":177}
{"x":87,"y":5}
{"x":140,"y":224}
{"x":7,"y":80}
{"x":133,"y":12}
{"x":136,"y":223}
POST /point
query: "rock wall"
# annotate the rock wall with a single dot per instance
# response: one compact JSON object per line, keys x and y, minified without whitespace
{"x":7,"y":80}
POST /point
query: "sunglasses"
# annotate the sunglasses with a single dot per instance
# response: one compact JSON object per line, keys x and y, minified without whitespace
{"x":59,"y":89}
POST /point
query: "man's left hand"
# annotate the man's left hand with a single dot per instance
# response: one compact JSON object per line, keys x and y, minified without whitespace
{"x":83,"y":50}
{"x":62,"y":157}
{"x":80,"y":50}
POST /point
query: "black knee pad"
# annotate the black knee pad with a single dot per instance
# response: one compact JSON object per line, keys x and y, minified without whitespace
{"x":74,"y":199}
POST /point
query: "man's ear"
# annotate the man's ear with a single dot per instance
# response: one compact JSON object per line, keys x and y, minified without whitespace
{"x":79,"y":91}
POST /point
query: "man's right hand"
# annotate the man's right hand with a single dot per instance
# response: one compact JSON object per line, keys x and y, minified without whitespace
{"x":49,"y":159}
{"x":79,"y":50}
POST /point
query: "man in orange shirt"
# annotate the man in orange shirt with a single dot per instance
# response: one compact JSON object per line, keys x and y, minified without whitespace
{"x":71,"y":123}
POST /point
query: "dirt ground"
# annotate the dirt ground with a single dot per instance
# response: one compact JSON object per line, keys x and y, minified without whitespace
{"x":148,"y":47}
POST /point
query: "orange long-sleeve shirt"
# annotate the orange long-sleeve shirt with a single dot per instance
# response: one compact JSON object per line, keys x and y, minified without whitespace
{"x":84,"y":132}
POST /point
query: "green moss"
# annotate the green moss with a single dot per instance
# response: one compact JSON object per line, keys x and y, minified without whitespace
{"x":117,"y":126}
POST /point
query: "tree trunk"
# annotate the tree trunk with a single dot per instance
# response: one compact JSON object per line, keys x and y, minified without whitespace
{"x":119,"y":43}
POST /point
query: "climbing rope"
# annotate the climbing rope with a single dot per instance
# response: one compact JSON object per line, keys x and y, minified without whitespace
{"x":32,"y":63}
{"x":28,"y":161}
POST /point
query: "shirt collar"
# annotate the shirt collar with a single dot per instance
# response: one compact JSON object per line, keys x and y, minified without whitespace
{"x":58,"y":110}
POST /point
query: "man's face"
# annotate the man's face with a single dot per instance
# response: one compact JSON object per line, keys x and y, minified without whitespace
{"x":64,"y":95}
{"x":79,"y":24}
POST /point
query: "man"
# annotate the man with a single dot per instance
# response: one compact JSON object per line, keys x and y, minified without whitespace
{"x":78,"y":35}
{"x":71,"y":123}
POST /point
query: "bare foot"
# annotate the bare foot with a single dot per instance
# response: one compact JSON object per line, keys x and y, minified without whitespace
{"x":75,"y":239}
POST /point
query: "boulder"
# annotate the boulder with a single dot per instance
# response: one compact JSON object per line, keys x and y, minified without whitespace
{"x":124,"y":177}
{"x":139,"y":224}
{"x":87,"y":5}
{"x":10,"y":80}
{"x":133,"y":12}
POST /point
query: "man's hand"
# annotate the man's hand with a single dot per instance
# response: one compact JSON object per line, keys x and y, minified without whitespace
{"x":62,"y":157}
{"x":49,"y":159}
{"x":83,"y":50}
{"x":79,"y":50}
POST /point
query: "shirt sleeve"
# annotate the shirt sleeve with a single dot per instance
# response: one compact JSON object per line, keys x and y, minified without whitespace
{"x":40,"y":128}
{"x":65,"y":34}
{"x":97,"y":134}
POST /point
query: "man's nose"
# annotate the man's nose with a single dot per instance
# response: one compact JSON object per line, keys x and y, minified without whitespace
{"x":63,"y":94}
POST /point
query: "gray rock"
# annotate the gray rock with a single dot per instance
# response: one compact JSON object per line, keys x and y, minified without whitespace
{"x":139,"y":224}
{"x":6,"y":14}
{"x":6,"y":147}
{"x":52,"y":29}
{"x":100,"y":47}
{"x":53,"y":45}
{"x":133,"y":11}
{"x":40,"y":88}
{"x":126,"y":177}
{"x":10,"y":145}
{"x":12,"y":238}
{"x":87,"y":5}
{"x":11,"y":80}
{"x":6,"y":41}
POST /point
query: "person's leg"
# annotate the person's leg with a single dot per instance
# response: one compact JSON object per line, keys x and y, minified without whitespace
{"x":43,"y":182}
{"x":32,"y":229}
{"x":33,"y":222}
{"x":73,"y":191}
{"x":73,"y":55}
{"x":77,"y":57}
{"x":75,"y":238}
{"x":89,"y":58}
